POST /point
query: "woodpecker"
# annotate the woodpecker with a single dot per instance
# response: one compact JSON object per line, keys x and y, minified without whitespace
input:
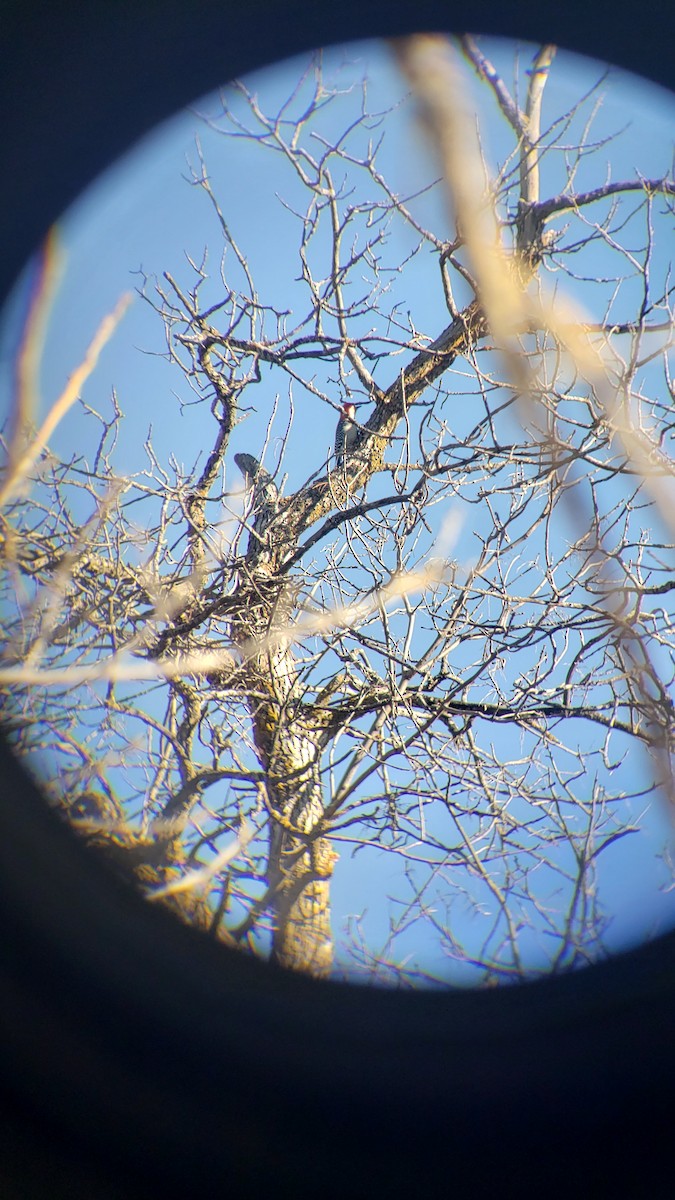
{"x":346,"y":434}
{"x":265,"y":491}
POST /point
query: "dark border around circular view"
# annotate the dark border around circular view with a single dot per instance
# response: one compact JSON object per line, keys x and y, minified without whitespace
{"x":137,"y":1055}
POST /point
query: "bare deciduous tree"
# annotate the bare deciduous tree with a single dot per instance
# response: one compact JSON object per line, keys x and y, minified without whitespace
{"x":232,"y":697}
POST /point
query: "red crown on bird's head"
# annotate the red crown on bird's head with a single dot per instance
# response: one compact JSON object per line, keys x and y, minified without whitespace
{"x":348,"y":410}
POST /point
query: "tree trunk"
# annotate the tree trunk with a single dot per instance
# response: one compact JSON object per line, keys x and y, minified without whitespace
{"x":288,"y":741}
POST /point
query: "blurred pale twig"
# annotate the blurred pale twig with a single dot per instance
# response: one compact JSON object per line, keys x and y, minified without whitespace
{"x":22,"y":464}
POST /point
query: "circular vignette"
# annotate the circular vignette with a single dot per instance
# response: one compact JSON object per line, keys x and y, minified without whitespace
{"x":82,"y":81}
{"x":138,"y":1054}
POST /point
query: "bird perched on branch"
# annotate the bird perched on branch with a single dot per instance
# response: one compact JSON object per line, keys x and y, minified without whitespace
{"x":265,"y":491}
{"x":346,"y":434}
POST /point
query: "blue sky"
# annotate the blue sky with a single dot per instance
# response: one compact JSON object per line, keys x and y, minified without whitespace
{"x":145,"y":216}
